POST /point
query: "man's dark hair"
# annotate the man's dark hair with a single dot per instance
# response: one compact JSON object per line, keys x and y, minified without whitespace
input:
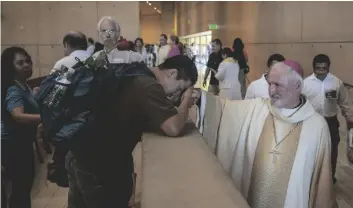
{"x":76,"y":40}
{"x":217,"y":41}
{"x":275,"y":57}
{"x":227,"y":51}
{"x":90,"y":40}
{"x":186,"y":68}
{"x":164,"y":36}
{"x":321,"y":58}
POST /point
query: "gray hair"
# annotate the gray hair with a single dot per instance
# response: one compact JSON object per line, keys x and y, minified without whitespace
{"x":292,"y":74}
{"x":296,"y":77}
{"x":111,"y":19}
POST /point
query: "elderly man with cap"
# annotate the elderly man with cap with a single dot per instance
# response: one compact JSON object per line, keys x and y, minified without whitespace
{"x":277,"y":149}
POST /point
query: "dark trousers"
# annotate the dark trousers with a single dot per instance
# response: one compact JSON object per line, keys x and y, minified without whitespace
{"x":18,"y":160}
{"x":92,"y":188}
{"x":334,"y":125}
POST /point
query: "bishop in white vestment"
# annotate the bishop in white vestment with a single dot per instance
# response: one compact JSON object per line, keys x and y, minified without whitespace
{"x":277,"y":150}
{"x":259,"y":88}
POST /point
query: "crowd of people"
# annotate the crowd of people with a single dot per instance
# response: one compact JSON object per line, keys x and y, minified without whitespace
{"x":100,"y":174}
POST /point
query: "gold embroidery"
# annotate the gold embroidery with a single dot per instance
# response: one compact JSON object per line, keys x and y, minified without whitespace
{"x":271,"y":172}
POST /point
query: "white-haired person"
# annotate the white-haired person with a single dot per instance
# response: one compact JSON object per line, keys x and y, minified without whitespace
{"x":109,"y":33}
{"x":277,"y":149}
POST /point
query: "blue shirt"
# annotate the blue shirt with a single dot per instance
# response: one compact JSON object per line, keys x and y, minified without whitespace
{"x":18,"y":97}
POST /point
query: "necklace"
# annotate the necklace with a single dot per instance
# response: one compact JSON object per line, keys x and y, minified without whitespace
{"x":275,"y":151}
{"x":22,"y":87}
{"x":300,"y":105}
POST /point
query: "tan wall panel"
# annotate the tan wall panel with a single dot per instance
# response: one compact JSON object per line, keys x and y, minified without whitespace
{"x":41,"y":26}
{"x":327,"y":21}
{"x":19,"y":23}
{"x":200,"y":14}
{"x":340,"y":56}
{"x":261,"y":22}
{"x":57,"y":18}
{"x":151,"y":28}
{"x":298,"y":30}
{"x":126,"y":13}
{"x":260,"y":53}
{"x":48,"y":56}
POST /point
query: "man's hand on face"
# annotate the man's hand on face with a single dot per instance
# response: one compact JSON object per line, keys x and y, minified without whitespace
{"x":188,"y":96}
{"x":196,"y":95}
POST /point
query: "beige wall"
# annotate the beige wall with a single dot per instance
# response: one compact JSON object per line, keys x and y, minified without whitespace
{"x":154,"y":24}
{"x":298,"y":30}
{"x":40,"y":26}
{"x":151,"y":28}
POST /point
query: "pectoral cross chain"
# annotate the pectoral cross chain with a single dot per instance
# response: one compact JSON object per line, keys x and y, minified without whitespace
{"x":274,"y":154}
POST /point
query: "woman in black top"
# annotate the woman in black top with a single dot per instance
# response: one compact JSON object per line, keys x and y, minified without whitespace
{"x":238,"y":48}
{"x":213,"y":62}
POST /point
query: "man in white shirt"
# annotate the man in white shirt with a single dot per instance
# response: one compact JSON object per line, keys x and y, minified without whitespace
{"x":75,"y":45}
{"x":325,"y":92}
{"x":259,"y":88}
{"x":109,"y":32}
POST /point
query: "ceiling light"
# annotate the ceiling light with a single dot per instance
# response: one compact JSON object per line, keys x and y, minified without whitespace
{"x":149,"y":4}
{"x":155,"y":8}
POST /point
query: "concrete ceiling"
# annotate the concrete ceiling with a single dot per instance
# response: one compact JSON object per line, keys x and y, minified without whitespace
{"x":146,"y":9}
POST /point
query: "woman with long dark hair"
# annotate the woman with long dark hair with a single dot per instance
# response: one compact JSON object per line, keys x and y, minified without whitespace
{"x":19,"y":121}
{"x":241,"y":57}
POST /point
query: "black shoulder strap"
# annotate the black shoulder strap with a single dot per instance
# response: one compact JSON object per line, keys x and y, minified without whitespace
{"x":139,"y":69}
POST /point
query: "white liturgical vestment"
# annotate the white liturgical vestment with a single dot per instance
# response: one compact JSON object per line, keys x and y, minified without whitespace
{"x":304,"y":175}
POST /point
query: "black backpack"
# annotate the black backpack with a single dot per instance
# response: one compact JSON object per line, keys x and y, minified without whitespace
{"x":78,"y":114}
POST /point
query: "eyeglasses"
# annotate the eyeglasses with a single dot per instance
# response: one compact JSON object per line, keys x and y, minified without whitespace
{"x":110,"y":32}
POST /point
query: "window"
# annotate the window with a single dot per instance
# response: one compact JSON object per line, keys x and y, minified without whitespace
{"x":203,"y":40}
{"x":209,"y":38}
{"x":197,"y":40}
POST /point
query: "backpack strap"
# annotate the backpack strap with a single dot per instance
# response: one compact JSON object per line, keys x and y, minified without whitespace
{"x":139,"y":69}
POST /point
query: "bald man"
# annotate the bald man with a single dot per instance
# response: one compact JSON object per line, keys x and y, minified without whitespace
{"x":109,"y":33}
{"x":75,"y":46}
{"x":277,"y":149}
